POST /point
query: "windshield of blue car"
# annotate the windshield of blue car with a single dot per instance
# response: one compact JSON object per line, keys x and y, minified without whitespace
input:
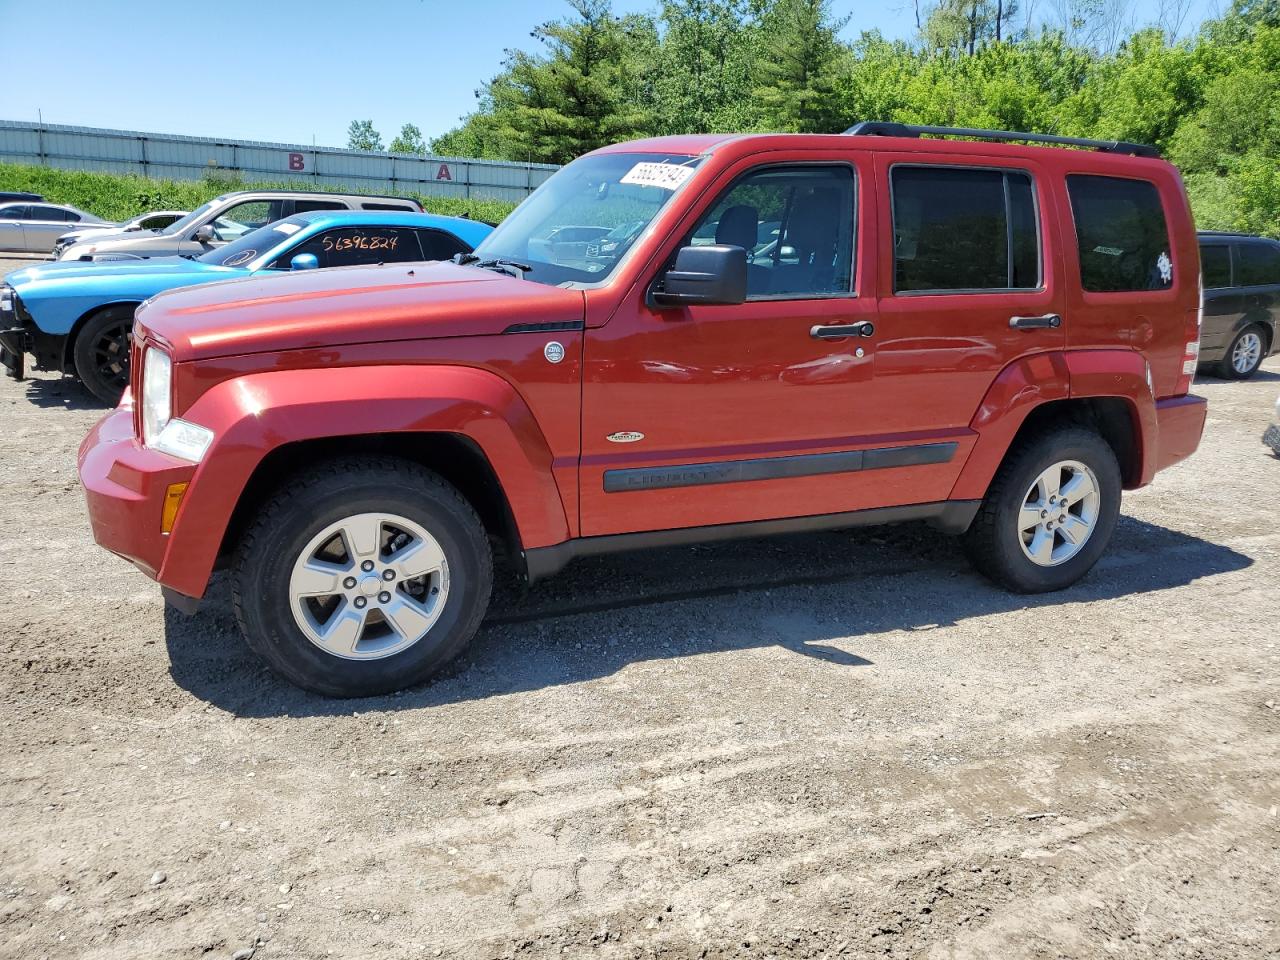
{"x":558,"y":231}
{"x":189,"y":220}
{"x":252,"y":245}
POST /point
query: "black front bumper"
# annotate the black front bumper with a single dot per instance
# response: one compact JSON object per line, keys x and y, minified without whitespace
{"x":14,"y":344}
{"x":19,"y":336}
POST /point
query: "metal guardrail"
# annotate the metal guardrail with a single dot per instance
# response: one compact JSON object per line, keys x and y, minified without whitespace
{"x":178,"y":157}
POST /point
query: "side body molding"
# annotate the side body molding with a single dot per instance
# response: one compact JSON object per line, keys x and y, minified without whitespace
{"x":1032,"y":381}
{"x":255,"y":414}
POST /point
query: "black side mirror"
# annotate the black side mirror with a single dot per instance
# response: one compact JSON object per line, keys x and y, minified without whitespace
{"x":716,"y":273}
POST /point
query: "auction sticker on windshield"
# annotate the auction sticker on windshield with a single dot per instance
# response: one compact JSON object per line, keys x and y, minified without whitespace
{"x":668,"y":176}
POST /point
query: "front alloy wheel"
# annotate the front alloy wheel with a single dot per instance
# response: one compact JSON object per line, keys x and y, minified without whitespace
{"x":362,"y":576}
{"x":369,"y":586}
{"x":100,"y":353}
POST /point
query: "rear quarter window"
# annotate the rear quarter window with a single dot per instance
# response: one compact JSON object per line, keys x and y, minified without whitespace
{"x":1121,"y":234}
{"x":1259,"y":264}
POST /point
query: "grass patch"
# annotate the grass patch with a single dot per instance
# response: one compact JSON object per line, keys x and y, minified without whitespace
{"x":121,"y":196}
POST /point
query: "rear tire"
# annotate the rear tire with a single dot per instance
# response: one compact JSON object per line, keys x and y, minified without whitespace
{"x":1245,"y":354}
{"x":1049,"y":513}
{"x":322,"y":583}
{"x":101,"y":353}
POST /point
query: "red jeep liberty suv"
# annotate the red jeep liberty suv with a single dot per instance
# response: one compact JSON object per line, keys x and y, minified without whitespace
{"x":678,"y":339}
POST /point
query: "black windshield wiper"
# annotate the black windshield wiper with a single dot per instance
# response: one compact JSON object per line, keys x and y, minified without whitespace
{"x":513,"y":267}
{"x":465,"y":258}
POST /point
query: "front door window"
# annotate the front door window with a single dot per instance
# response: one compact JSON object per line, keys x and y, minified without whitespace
{"x":796,"y":224}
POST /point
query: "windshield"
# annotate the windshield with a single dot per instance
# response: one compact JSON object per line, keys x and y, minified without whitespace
{"x":252,"y":245}
{"x":581,"y":222}
{"x":179,"y":225}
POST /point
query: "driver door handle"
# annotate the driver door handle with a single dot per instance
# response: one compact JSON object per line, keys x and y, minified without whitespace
{"x":838,"y":331}
{"x":1048,"y":321}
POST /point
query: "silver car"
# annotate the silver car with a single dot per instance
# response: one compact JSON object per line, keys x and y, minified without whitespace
{"x":222,"y":220}
{"x":155,"y":220}
{"x":36,"y":227}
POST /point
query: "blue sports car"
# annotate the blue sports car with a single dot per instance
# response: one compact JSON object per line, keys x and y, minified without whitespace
{"x":78,"y":317}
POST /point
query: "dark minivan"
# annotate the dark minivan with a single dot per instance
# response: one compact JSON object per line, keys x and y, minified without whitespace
{"x":1241,"y":276}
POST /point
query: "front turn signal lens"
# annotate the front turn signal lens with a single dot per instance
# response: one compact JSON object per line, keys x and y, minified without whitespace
{"x":172,"y":501}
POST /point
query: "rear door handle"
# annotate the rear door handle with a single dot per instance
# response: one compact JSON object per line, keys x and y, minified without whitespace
{"x":838,"y":331}
{"x":1049,"y":320}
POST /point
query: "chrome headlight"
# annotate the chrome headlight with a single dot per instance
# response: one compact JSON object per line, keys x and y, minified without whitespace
{"x":160,"y":429}
{"x":157,"y":393}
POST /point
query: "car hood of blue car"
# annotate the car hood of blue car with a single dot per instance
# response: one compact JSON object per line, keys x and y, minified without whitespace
{"x":56,"y":295}
{"x":131,"y":269}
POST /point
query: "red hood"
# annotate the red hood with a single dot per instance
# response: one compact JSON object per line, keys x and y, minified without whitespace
{"x":324,"y":308}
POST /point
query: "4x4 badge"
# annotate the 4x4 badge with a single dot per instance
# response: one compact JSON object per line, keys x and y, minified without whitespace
{"x":625,"y":436}
{"x":554,"y":351}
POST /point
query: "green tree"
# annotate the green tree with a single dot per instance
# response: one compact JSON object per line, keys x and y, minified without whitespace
{"x":801,"y":61}
{"x":961,"y":26}
{"x":704,"y":68}
{"x":579,"y":92}
{"x":362,"y":136}
{"x":408,"y":140}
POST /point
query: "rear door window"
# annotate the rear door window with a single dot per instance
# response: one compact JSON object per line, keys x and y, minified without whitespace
{"x":1258,"y":264}
{"x":53,"y":214}
{"x":1215,"y":265}
{"x":959,"y":230}
{"x":397,"y":207}
{"x":1121,"y":235}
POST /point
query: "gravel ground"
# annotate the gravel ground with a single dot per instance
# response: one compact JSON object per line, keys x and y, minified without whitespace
{"x":845,"y":744}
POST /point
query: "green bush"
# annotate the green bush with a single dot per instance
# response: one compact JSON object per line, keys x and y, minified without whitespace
{"x":121,"y":196}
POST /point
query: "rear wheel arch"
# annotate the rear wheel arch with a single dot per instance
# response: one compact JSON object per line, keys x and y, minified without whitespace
{"x":1112,"y":418}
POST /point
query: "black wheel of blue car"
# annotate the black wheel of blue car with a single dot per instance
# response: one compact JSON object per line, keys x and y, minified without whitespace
{"x":101,"y":353}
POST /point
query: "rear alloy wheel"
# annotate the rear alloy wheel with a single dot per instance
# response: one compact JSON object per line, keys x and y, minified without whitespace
{"x":362,"y":577}
{"x":1059,"y":513}
{"x":101,"y":353}
{"x":1245,"y":354}
{"x":1049,"y":513}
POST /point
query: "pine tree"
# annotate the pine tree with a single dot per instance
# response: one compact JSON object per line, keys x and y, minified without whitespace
{"x":802,"y":58}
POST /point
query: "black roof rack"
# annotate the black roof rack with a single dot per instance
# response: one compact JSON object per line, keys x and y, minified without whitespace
{"x":872,"y":128}
{"x":1224,"y":233}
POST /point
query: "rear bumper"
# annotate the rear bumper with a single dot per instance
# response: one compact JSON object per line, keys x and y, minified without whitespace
{"x":1180,"y":423}
{"x":124,"y":485}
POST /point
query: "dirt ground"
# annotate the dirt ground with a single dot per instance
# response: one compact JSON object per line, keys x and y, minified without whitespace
{"x":836,"y":745}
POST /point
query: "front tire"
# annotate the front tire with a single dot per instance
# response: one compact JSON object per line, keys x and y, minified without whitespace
{"x":1245,"y":355}
{"x":362,"y":577}
{"x":101,"y":353}
{"x":1049,"y":513}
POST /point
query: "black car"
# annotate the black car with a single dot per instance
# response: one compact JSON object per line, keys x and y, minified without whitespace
{"x":6,"y":196}
{"x":1241,"y":276}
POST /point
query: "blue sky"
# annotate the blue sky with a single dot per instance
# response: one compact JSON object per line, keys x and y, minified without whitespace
{"x":291,"y":71}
